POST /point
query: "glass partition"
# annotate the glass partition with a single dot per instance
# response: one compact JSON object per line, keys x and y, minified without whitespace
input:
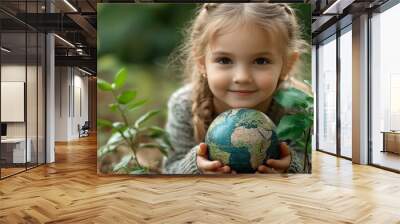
{"x":22,"y":77}
{"x":13,"y":86}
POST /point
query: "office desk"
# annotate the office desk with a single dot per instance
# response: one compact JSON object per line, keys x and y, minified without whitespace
{"x":13,"y":150}
{"x":391,"y":141}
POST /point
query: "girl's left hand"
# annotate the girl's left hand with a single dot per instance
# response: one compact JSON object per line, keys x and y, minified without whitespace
{"x":277,"y":165}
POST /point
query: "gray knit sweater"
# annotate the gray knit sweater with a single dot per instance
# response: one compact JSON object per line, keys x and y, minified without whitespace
{"x":180,"y":128}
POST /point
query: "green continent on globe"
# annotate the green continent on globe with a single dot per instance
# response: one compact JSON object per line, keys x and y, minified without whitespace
{"x":243,"y":139}
{"x":219,"y":154}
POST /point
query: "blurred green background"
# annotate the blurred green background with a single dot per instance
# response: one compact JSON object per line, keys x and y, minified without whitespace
{"x":141,"y":37}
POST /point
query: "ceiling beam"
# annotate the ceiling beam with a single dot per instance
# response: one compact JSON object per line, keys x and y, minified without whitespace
{"x":86,"y":27}
{"x":81,"y":61}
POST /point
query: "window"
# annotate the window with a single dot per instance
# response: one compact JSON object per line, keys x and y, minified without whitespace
{"x":346,"y":75}
{"x":327,"y":95}
{"x":385,"y":88}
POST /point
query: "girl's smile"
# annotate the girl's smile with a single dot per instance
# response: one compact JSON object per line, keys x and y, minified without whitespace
{"x":242,"y":92}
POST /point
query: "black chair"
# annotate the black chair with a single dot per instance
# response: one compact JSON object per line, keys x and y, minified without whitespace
{"x":84,"y":130}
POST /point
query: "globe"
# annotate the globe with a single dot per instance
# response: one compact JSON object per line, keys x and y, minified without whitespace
{"x":243,"y":139}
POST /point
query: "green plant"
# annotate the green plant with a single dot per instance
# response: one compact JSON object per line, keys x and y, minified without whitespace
{"x":133,"y":134}
{"x":296,"y":127}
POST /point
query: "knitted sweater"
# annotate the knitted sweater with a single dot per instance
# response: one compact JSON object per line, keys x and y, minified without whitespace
{"x":180,"y":128}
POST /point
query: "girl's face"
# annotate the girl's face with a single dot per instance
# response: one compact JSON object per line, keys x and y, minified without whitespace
{"x":243,"y":67}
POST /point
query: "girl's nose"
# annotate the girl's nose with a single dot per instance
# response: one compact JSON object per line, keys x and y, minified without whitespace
{"x":242,"y":75}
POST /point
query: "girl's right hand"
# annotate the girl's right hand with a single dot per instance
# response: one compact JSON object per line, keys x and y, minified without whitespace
{"x":206,"y":166}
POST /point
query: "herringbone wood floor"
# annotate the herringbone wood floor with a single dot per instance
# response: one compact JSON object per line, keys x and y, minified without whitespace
{"x":70,"y":191}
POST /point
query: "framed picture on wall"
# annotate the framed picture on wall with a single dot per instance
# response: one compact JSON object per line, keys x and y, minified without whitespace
{"x":212,"y":88}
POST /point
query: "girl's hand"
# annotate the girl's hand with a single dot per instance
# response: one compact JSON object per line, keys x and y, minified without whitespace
{"x":206,"y":166}
{"x":277,"y":165}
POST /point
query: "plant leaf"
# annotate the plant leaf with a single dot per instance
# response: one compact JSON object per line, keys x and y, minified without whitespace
{"x":130,"y":132}
{"x":138,"y":170}
{"x":293,"y":98}
{"x":126,"y":97}
{"x":145,"y":117}
{"x":123,"y":162}
{"x":302,"y":145}
{"x":292,"y":127}
{"x":117,"y":137}
{"x":307,"y":82}
{"x":104,"y":85}
{"x":113,"y":107}
{"x":166,"y":140}
{"x":103,"y":150}
{"x":309,"y":149}
{"x":156,"y":132}
{"x":104,"y":123}
{"x":161,"y":136}
{"x":120,"y":78}
{"x":119,"y":126}
{"x":135,"y":105}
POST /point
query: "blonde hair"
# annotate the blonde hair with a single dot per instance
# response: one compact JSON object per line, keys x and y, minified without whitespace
{"x":212,"y":18}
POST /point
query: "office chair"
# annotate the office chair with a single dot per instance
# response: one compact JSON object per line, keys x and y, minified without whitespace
{"x":84,"y":130}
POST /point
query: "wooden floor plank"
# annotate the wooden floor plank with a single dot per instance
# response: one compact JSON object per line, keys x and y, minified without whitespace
{"x":70,"y":191}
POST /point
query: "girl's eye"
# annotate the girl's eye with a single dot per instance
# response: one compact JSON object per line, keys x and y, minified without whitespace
{"x":224,"y":61}
{"x":261,"y":61}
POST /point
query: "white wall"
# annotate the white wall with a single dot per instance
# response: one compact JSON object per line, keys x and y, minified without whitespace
{"x":61,"y":103}
{"x":70,"y":84}
{"x":80,"y":102}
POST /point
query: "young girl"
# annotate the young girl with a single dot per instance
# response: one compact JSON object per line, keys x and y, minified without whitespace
{"x":236,"y":56}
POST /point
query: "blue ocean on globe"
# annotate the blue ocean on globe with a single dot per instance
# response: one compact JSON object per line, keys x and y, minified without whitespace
{"x":243,"y":139}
